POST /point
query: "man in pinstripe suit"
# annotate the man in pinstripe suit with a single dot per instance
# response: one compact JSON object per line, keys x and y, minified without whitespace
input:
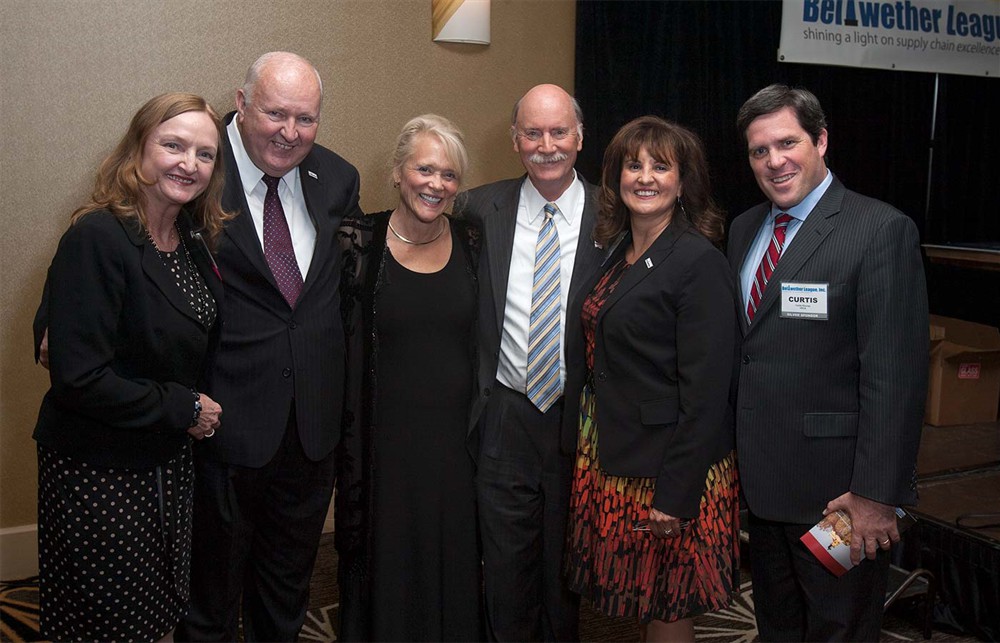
{"x":265,"y":480}
{"x":833,"y":375}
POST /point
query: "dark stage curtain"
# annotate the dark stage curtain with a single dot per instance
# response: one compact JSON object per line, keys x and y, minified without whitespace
{"x":696,"y":62}
{"x":965,"y":206}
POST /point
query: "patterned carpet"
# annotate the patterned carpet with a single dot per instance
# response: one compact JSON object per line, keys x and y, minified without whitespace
{"x":19,"y":620}
{"x":19,"y":605}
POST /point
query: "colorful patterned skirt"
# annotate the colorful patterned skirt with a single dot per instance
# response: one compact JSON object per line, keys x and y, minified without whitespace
{"x":634,"y":573}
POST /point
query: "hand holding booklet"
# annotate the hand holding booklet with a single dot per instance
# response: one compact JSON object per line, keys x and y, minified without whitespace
{"x":829,"y":540}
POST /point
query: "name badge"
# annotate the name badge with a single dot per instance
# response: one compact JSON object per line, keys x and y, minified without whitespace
{"x":804,"y":300}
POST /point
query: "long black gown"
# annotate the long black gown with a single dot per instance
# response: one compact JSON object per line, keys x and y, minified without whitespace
{"x":425,"y":559}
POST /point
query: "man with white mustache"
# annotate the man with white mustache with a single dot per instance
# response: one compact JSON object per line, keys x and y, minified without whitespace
{"x":524,"y":460}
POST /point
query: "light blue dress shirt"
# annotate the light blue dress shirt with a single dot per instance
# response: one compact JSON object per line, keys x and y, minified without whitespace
{"x":763,"y":238}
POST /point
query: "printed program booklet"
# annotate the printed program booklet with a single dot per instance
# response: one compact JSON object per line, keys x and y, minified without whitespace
{"x":830,"y":539}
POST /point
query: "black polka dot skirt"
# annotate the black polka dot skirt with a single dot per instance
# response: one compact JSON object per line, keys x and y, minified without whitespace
{"x":114,"y":548}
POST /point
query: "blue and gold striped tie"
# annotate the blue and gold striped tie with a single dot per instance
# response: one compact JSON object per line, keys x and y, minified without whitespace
{"x":543,"y":386}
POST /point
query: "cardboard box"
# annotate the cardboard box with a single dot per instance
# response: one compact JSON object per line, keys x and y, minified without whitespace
{"x":964,"y":378}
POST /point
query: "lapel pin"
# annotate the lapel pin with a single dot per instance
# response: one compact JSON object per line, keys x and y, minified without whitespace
{"x":649,"y":262}
{"x":312,"y":174}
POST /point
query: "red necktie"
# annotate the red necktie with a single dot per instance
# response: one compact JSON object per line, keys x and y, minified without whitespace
{"x":278,"y":250}
{"x":767,"y":263}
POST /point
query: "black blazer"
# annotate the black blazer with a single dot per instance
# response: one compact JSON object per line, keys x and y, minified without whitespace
{"x":494,"y":208}
{"x":271,"y":355}
{"x":663,"y":363}
{"x":827,"y":407}
{"x":125,"y":347}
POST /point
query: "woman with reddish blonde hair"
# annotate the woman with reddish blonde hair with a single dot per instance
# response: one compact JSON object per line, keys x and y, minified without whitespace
{"x":129,"y":319}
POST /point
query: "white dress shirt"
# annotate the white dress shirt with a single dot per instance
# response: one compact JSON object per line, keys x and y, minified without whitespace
{"x":300,"y":225}
{"x":512,"y":370}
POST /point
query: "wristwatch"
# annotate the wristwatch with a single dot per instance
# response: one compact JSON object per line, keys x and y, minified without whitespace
{"x":197,"y":407}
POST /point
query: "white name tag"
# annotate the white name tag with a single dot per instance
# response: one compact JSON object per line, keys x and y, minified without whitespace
{"x":804,"y":300}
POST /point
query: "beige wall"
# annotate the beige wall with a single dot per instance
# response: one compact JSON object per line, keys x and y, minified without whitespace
{"x":72,"y":72}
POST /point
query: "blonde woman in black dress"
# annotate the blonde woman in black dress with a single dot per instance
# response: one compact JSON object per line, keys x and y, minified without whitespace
{"x":128,"y":319}
{"x":406,"y":515}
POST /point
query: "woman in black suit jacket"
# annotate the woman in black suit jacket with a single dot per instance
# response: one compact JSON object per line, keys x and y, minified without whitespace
{"x":654,"y":510}
{"x":129,"y":317}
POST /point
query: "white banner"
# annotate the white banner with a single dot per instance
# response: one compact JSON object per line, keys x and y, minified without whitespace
{"x":942,"y":36}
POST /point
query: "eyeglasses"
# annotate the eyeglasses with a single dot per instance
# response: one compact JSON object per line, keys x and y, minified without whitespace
{"x":535,"y":135}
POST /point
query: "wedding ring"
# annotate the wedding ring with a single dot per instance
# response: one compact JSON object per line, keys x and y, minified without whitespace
{"x":885,"y":542}
{"x":210,"y":433}
{"x":668,"y":532}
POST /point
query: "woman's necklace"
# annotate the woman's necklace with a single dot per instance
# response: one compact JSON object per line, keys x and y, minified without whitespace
{"x":170,"y":233}
{"x":418,"y":243}
{"x":200,"y":298}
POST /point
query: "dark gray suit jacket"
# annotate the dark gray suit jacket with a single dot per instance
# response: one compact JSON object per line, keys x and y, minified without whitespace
{"x":271,"y":355}
{"x":826,"y":407}
{"x":494,"y":206}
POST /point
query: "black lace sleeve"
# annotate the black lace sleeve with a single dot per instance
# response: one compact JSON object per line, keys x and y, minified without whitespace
{"x":362,"y":241}
{"x":349,"y":502}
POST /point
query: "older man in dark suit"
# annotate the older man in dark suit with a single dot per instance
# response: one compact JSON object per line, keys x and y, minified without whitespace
{"x":525,"y":461}
{"x":833,"y":376}
{"x":264,"y":481}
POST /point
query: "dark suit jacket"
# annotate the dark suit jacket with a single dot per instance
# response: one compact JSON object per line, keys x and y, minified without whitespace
{"x":663,"y":363}
{"x":126,"y":348}
{"x":271,"y":355}
{"x":826,"y":407}
{"x":494,"y":207}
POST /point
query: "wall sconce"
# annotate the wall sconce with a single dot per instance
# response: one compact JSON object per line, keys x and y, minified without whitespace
{"x":465,"y":21}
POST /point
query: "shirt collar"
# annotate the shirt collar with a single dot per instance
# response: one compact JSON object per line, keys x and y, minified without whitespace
{"x":534,"y":202}
{"x":250,"y":174}
{"x":806,"y":205}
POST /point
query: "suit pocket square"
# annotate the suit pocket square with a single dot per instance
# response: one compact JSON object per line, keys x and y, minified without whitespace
{"x":830,"y":425}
